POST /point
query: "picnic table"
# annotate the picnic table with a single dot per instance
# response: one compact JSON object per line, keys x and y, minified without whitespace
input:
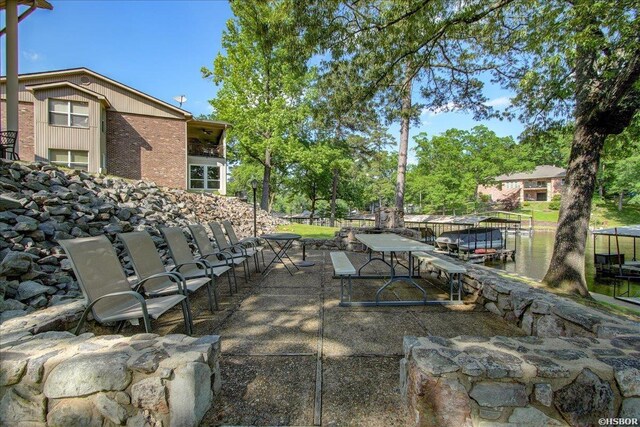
{"x":392,"y":244}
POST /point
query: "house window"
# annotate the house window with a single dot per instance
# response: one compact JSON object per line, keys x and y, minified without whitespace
{"x":68,"y":113}
{"x":70,"y":158}
{"x":204,"y":177}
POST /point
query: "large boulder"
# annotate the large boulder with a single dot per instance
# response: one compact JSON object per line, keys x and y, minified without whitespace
{"x":87,"y":374}
{"x":586,"y":400}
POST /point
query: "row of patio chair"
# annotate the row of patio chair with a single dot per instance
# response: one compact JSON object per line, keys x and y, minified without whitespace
{"x":113,"y":297}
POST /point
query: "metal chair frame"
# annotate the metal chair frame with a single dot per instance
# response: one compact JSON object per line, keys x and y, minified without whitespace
{"x":8,"y":141}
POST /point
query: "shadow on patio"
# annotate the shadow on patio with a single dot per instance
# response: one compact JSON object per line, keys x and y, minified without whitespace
{"x":292,"y":356}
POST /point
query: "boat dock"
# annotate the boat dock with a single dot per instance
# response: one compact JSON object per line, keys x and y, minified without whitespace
{"x":615,"y":264}
{"x":499,"y":255}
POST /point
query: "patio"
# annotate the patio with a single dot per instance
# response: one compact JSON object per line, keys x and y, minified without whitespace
{"x":280,"y":331}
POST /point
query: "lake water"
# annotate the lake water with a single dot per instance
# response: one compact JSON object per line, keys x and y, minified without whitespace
{"x":533,"y":255}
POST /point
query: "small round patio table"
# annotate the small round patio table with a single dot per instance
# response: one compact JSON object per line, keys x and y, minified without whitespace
{"x":280,"y":243}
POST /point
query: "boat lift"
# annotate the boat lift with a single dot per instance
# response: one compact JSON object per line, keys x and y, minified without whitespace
{"x":431,"y":226}
{"x":614,"y":264}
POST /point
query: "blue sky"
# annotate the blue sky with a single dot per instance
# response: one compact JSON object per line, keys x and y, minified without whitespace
{"x":158,"y":47}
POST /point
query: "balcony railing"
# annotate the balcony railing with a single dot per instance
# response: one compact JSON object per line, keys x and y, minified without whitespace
{"x":536,"y":185}
{"x":204,"y":149}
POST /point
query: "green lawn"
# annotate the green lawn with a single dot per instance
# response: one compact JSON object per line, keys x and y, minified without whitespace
{"x":604,"y":213}
{"x":312,"y":231}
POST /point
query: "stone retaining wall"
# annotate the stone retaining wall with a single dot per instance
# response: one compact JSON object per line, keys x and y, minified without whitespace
{"x":578,"y":365}
{"x":59,"y":379}
{"x":526,"y":381}
{"x":535,"y":310}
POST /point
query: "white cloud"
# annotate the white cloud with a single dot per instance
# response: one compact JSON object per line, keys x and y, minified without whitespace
{"x":503,"y":101}
{"x":432,"y":112}
{"x":31,"y":56}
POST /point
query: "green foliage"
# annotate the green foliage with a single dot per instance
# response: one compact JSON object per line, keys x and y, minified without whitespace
{"x":546,"y":147}
{"x":310,"y":231}
{"x":452,"y":165}
{"x":263,"y":75}
{"x":620,"y":166}
{"x":554,"y":204}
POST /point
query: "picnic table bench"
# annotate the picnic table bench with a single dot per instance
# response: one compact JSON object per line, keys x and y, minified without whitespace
{"x":453,"y":271}
{"x":343,"y":268}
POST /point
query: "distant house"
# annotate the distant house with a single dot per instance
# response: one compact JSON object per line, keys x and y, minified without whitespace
{"x":540,"y":185}
{"x":81,"y":119}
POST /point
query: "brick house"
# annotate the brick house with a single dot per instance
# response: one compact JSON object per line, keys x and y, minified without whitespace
{"x":81,"y":119}
{"x":540,"y":185}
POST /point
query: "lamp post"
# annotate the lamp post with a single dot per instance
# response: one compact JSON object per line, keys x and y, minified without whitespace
{"x":254,"y":186}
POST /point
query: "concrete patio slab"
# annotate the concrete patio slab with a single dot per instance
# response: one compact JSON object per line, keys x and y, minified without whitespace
{"x":265,"y":391}
{"x":362,"y":391}
{"x":270,"y":343}
{"x":288,"y":290}
{"x":304,"y":278}
{"x":264,"y":332}
{"x":281,"y":303}
{"x":350,"y":332}
{"x":453,"y":324}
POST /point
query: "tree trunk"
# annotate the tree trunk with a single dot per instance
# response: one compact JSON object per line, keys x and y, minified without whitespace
{"x":620,"y":197}
{"x":313,"y":203}
{"x":601,"y":186}
{"x":566,"y":270}
{"x":266,"y":181}
{"x":405,"y":118}
{"x":334,"y":197}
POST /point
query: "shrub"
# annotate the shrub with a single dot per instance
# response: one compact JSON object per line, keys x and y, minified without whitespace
{"x":554,"y":204}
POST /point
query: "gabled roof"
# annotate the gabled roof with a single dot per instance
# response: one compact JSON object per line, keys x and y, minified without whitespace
{"x":64,"y":83}
{"x":544,"y":171}
{"x":70,"y":71}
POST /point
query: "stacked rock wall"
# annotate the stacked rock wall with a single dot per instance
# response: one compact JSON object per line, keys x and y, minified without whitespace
{"x":58,"y":379}
{"x":526,"y":381}
{"x":579,"y":365}
{"x":41,"y":204}
{"x":537,"y":311}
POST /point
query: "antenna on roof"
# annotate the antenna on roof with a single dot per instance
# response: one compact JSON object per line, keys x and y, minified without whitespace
{"x":180,"y":99}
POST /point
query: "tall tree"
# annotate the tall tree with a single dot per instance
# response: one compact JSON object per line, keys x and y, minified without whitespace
{"x":378,"y":48}
{"x":262,"y":74}
{"x":568,"y":61}
{"x":403,"y":147}
{"x":355,"y":131}
{"x":571,"y":61}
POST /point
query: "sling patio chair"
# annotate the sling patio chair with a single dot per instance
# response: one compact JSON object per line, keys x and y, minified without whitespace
{"x":108,"y":293}
{"x":147,"y":264}
{"x":238,"y":251}
{"x":206,"y":249}
{"x":188,"y":265}
{"x":250,"y":243}
{"x":8,"y":141}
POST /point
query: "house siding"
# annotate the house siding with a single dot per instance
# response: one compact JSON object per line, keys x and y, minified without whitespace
{"x":25,"y":131}
{"x":500,"y":193}
{"x":120,"y":98}
{"x":149,"y":148}
{"x":62,"y":137}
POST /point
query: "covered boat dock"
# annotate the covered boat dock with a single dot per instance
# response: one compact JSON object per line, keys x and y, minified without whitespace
{"x":432,"y":226}
{"x":625,"y":268}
